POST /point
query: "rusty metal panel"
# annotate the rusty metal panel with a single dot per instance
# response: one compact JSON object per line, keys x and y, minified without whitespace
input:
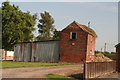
{"x":16,"y":52}
{"x":22,"y":52}
{"x":47,"y":51}
{"x":27,"y":52}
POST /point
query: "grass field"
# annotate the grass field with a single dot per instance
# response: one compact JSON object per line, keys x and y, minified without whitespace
{"x":11,"y":64}
{"x":111,"y":56}
{"x":58,"y":77}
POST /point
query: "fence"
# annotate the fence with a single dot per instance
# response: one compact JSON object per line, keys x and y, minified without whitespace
{"x":44,"y":51}
{"x":96,"y":69}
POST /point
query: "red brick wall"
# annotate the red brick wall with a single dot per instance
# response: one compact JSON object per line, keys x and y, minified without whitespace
{"x":118,"y":58}
{"x":73,"y":53}
{"x":90,"y":48}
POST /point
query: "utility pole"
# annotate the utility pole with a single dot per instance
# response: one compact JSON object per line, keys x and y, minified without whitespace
{"x":105,"y":47}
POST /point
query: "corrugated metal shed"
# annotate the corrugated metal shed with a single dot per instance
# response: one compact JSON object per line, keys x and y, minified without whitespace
{"x":22,"y":52}
{"x":45,"y":51}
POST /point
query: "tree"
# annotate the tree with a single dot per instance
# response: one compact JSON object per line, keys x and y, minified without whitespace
{"x":46,"y":27}
{"x":0,"y":32}
{"x":56,"y":35}
{"x":0,"y":27}
{"x":17,"y":26}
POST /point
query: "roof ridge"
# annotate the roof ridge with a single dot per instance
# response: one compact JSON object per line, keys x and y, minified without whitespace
{"x":80,"y":25}
{"x":87,"y":29}
{"x":83,"y":27}
{"x":117,"y":45}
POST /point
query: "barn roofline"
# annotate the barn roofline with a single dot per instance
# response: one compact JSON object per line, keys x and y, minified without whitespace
{"x":118,"y":45}
{"x":84,"y":28}
{"x":36,"y":41}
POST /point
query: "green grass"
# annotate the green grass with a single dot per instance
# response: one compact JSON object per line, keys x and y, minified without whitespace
{"x":111,"y":56}
{"x":58,"y":77}
{"x":12,"y":64}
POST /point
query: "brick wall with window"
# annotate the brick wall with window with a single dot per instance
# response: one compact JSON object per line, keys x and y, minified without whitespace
{"x":74,"y":44}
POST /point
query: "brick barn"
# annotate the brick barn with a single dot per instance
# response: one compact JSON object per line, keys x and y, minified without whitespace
{"x":77,"y":43}
{"x":118,"y":56}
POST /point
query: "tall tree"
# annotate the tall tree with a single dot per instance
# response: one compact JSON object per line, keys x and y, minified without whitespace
{"x":46,"y":26}
{"x":56,"y":35}
{"x":0,"y":32}
{"x":17,"y":26}
{"x":0,"y":27}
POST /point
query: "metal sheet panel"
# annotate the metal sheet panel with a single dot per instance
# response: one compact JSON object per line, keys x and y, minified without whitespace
{"x":22,"y":52}
{"x":47,"y":51}
{"x":27,"y":52}
{"x":16,"y":52}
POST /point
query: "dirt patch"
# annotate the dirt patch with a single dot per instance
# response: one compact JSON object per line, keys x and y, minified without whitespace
{"x":40,"y":72}
{"x":101,"y":58}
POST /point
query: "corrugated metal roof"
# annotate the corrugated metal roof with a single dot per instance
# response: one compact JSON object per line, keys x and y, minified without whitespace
{"x":36,"y":41}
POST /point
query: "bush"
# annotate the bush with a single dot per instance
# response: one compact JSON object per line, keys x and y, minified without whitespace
{"x":96,"y":52}
{"x":113,"y":52}
{"x":106,"y":52}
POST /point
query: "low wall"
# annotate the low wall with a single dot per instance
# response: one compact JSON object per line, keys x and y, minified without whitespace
{"x":96,"y":69}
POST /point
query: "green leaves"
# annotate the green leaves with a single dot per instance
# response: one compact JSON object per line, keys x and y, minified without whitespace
{"x":17,"y":26}
{"x":46,"y":27}
{"x":56,"y":35}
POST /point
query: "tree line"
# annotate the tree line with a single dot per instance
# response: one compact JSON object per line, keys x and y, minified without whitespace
{"x":18,"y":26}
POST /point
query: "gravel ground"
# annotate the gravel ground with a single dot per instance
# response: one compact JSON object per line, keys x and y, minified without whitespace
{"x":40,"y":72}
{"x":112,"y":75}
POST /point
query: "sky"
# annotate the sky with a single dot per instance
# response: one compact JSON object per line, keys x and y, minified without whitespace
{"x":103,"y":17}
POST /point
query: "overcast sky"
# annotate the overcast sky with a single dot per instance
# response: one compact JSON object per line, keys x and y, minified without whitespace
{"x":102,"y":15}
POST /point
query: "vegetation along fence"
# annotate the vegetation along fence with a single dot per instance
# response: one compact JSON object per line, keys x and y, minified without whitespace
{"x":96,"y":69}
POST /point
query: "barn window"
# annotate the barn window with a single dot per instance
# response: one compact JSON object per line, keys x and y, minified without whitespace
{"x":73,"y":35}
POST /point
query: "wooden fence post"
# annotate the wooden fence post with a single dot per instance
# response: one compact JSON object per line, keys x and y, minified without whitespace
{"x":95,"y":69}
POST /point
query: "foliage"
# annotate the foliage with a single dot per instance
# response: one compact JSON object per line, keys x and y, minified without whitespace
{"x":46,"y":27}
{"x":96,"y":52}
{"x":106,"y":52}
{"x":0,"y":27}
{"x":17,"y":26}
{"x":11,"y":64}
{"x":111,"y":56}
{"x":0,"y":10}
{"x":59,"y":77}
{"x":113,"y":52}
{"x":56,"y":35}
{"x":55,"y":76}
